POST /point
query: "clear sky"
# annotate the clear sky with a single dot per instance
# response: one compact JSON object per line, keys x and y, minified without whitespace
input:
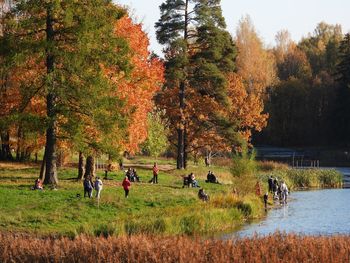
{"x":269,"y":16}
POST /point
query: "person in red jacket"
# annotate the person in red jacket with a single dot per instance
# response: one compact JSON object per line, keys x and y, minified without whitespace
{"x":126,"y":185}
{"x":155,"y":173}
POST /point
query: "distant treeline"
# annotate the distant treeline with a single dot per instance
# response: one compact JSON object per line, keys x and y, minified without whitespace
{"x":309,"y":103}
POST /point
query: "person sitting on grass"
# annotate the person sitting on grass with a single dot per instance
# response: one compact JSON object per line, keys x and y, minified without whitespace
{"x":202,"y":195}
{"x":192,"y":179}
{"x":88,"y":186}
{"x":135,"y":177}
{"x":211,"y":178}
{"x":126,"y":185}
{"x":38,"y":185}
{"x":129,"y":174}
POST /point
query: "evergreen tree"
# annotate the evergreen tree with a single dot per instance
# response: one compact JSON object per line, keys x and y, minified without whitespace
{"x":199,"y":53}
{"x":71,"y":42}
{"x":173,"y":30}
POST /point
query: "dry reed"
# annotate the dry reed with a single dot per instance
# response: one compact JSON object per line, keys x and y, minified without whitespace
{"x":273,"y":248}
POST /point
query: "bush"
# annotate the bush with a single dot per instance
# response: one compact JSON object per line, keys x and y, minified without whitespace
{"x":244,"y":164}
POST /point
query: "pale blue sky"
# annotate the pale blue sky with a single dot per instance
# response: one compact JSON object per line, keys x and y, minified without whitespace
{"x":269,"y":16}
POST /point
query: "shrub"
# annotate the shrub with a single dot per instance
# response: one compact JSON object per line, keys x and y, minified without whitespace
{"x":244,"y":163}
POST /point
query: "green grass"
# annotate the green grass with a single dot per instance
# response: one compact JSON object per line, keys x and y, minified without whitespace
{"x":163,"y":209}
{"x":166,"y":208}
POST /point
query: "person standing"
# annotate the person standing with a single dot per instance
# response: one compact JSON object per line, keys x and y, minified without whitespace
{"x":266,"y":198}
{"x":155,"y":173}
{"x":126,"y":185}
{"x":270,"y":183}
{"x":98,"y":187}
{"x":88,"y":186}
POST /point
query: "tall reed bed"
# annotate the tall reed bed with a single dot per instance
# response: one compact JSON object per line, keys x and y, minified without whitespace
{"x":273,"y":248}
{"x":307,"y":178}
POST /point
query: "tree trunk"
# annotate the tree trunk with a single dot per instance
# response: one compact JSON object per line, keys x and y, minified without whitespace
{"x":185,"y":149}
{"x":5,"y":146}
{"x":181,"y":130}
{"x":50,"y":148}
{"x":42,"y":167}
{"x":89,"y":167}
{"x":81,"y":166}
{"x":180,"y":149}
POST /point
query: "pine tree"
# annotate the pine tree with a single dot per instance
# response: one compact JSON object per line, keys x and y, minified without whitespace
{"x":72,"y":42}
{"x":199,"y":53}
{"x":173,"y":30}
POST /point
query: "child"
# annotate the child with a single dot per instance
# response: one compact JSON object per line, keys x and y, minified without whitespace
{"x":126,"y":185}
{"x":98,"y":187}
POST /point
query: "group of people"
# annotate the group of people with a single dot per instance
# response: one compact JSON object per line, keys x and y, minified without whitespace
{"x":132,"y":175}
{"x":190,"y":181}
{"x":89,"y":186}
{"x":279,"y":189}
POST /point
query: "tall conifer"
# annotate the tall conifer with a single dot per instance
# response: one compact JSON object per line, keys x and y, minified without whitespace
{"x":71,"y":42}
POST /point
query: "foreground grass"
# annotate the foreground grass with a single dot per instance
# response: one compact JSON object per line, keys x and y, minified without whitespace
{"x":165,"y":209}
{"x":274,"y":248}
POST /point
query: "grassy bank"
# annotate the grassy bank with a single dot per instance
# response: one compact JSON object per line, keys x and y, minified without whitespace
{"x":163,"y":209}
{"x":275,"y":248}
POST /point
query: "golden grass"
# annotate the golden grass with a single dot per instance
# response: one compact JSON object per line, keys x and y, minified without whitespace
{"x":273,"y":248}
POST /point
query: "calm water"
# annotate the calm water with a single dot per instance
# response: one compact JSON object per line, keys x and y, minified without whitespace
{"x":320,"y":212}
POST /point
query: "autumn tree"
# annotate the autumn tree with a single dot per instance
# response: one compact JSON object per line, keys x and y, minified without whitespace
{"x":321,"y":47}
{"x":72,"y":41}
{"x":255,"y":64}
{"x":138,"y":88}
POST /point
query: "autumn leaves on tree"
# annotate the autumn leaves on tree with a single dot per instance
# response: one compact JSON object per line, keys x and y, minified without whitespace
{"x":78,"y":75}
{"x":201,"y":80}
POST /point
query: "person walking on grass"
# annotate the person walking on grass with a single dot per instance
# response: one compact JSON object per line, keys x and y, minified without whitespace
{"x":98,"y":187}
{"x":126,"y":185}
{"x":155,"y":173}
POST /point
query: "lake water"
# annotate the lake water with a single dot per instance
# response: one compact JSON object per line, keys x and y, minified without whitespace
{"x":318,"y":212}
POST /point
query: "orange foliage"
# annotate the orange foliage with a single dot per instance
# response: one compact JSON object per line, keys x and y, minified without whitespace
{"x":244,"y":109}
{"x":138,"y":89}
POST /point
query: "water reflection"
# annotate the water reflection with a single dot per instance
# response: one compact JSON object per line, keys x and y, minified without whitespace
{"x":321,"y":212}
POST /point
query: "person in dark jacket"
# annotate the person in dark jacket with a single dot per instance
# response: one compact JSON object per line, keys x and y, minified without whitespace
{"x":88,"y":186}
